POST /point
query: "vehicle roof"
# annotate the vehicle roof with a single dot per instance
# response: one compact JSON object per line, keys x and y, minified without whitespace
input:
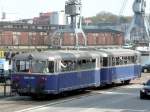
{"x":59,"y":54}
{"x":119,"y":52}
{"x":73,"y":54}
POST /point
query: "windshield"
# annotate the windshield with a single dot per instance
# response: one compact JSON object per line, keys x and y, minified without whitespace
{"x":22,"y":66}
{"x":38,"y":66}
{"x":34,"y":66}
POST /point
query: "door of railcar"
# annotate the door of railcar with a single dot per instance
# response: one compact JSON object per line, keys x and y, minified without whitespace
{"x":109,"y":70}
{"x":106,"y":77}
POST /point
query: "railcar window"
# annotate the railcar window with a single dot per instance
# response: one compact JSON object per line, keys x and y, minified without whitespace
{"x":62,"y":66}
{"x":129,"y":60}
{"x":50,"y":67}
{"x":93,"y":63}
{"x":101,"y":61}
{"x":121,"y":60}
{"x":27,"y":64}
{"x":38,"y":66}
{"x":125,"y":60}
{"x":105,"y":61}
{"x":90,"y":64}
{"x":82,"y":64}
{"x":117,"y":60}
{"x":17,"y":66}
{"x":113,"y":61}
{"x":136,"y":59}
{"x":22,"y":66}
{"x":110,"y":61}
{"x":133,"y":59}
{"x":67,"y":65}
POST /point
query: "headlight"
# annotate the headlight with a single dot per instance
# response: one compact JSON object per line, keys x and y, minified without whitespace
{"x":143,"y":90}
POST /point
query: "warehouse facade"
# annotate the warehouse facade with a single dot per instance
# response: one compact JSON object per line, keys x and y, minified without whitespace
{"x":24,"y":34}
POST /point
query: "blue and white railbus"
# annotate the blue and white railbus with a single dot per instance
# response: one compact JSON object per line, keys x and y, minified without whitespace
{"x":53,"y":72}
{"x":119,"y":65}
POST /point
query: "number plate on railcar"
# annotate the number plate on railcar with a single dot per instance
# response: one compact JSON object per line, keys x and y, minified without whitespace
{"x":29,"y":77}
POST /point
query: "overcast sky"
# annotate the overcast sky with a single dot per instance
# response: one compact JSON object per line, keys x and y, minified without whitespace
{"x":19,"y":9}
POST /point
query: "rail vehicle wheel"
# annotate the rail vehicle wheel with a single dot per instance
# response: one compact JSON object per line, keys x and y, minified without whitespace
{"x":145,"y":70}
{"x":38,"y":96}
{"x":34,"y":97}
{"x":126,"y":82}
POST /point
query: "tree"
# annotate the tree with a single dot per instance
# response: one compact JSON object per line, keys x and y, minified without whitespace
{"x":108,"y":17}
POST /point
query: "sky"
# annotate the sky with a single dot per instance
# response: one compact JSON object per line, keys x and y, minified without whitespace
{"x":21,"y":9}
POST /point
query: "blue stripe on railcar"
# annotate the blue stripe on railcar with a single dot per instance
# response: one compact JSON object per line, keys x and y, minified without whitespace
{"x":78,"y":80}
{"x":24,"y":80}
{"x":53,"y":84}
{"x":121,"y":73}
{"x":34,"y":83}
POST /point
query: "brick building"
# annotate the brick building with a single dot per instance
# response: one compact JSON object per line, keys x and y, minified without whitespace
{"x":44,"y":18}
{"x":96,"y":37}
{"x":23,"y":34}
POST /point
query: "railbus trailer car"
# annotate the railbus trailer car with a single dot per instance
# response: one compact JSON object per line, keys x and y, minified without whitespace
{"x":119,"y":65}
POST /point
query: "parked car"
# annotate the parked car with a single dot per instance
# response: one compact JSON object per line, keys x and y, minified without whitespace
{"x":146,"y":68}
{"x":145,"y":91}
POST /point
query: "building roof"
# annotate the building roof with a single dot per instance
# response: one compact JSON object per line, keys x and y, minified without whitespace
{"x":97,"y":30}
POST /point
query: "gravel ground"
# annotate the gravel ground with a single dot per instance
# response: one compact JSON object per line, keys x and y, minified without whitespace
{"x":144,"y":77}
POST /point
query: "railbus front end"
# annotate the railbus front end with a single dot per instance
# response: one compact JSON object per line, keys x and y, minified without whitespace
{"x":32,"y":74}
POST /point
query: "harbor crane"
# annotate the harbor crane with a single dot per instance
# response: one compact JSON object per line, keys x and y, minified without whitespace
{"x":139,"y":29}
{"x":73,"y":11}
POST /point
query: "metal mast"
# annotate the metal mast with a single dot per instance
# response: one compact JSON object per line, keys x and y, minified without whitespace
{"x":139,"y":29}
{"x":74,"y":19}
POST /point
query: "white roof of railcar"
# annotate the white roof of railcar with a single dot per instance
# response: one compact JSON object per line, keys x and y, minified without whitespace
{"x":27,"y":56}
{"x":118,"y":52}
{"x":57,"y":54}
{"x":73,"y":54}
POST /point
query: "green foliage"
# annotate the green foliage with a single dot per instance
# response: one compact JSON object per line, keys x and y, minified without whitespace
{"x":109,"y":17}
